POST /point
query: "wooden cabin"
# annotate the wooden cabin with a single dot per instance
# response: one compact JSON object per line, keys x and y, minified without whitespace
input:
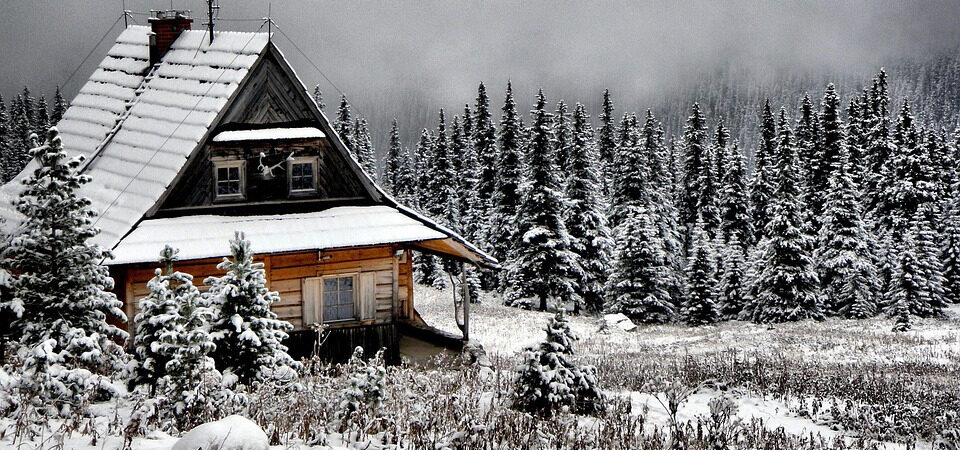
{"x":188,"y":141}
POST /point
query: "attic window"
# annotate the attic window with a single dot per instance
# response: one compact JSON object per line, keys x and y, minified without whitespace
{"x":229,"y":179}
{"x":302,"y":178}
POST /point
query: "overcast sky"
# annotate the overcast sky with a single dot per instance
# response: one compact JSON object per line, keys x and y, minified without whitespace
{"x":437,"y":51}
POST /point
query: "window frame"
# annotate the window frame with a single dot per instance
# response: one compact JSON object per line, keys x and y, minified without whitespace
{"x":315,"y":162}
{"x":241,"y":165}
{"x":355,"y":276}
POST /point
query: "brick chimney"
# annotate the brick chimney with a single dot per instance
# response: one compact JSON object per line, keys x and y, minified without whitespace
{"x":165,"y":27}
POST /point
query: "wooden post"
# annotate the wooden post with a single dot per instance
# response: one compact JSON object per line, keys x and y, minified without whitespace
{"x":465,"y":298}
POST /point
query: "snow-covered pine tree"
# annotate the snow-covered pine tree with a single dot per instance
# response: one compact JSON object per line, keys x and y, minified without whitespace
{"x":543,"y":267}
{"x":343,"y":123}
{"x":563,"y":133}
{"x":192,"y":383}
{"x":607,"y":141}
{"x":700,"y":302}
{"x":247,"y":334}
{"x":318,"y":97}
{"x":629,"y":184}
{"x":59,"y":107}
{"x":61,"y":291}
{"x":929,"y":266}
{"x":471,"y":218}
{"x":363,"y":391}
{"x":856,"y":139}
{"x":808,"y":145}
{"x":442,"y":184}
{"x":732,"y":274}
{"x":735,"y":220}
{"x":787,"y":285}
{"x":908,"y":177}
{"x":30,"y":109}
{"x":908,"y":290}
{"x":365,"y":153}
{"x":638,"y":285}
{"x":880,"y":147}
{"x":831,"y":143}
{"x":764,"y":183}
{"x":396,"y":163}
{"x":900,"y":310}
{"x":20,"y":131}
{"x":950,"y":254}
{"x":549,"y":380}
{"x":506,"y":196}
{"x":848,"y":277}
{"x":696,"y":160}
{"x":708,"y":205}
{"x":485,"y":146}
{"x":42,"y":115}
{"x":427,"y":267}
{"x":721,"y":138}
{"x":585,"y":218}
{"x":6,"y":147}
{"x":156,"y":321}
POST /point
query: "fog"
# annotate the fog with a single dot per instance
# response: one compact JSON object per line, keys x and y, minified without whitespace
{"x":387,"y":56}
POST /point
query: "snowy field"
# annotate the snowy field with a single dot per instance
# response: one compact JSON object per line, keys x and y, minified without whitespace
{"x":835,"y":384}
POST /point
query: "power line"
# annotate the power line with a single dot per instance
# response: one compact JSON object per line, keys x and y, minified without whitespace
{"x":85,"y":58}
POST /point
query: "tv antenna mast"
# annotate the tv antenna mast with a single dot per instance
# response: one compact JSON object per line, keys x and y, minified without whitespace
{"x":213,"y":10}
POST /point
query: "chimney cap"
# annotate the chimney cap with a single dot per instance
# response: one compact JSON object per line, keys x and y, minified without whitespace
{"x":160,"y":14}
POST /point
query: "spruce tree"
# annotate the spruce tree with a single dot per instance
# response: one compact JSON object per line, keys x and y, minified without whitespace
{"x":6,"y":146}
{"x":808,"y":146}
{"x":156,"y":325}
{"x":735,"y":220}
{"x":607,"y":140}
{"x":910,"y":178}
{"x":563,"y":133}
{"x":30,"y":111}
{"x":696,"y":161}
{"x":732,"y":274}
{"x":42,"y":115}
{"x":929,"y":265}
{"x":470,"y":218}
{"x":880,"y":147}
{"x":708,"y":205}
{"x":764,"y":182}
{"x":342,"y":124}
{"x":441,"y":186}
{"x":247,"y":334}
{"x":550,"y":380}
{"x":786,"y":285}
{"x":847,"y":275}
{"x":59,"y":107}
{"x":485,"y":146}
{"x":543,"y":267}
{"x":721,"y":138}
{"x":630,"y":185}
{"x":585,"y":218}
{"x":61,"y":292}
{"x":427,"y":266}
{"x":700,"y":302}
{"x":910,"y":289}
{"x":396,"y":166}
{"x":365,"y":153}
{"x":318,"y":97}
{"x":832,"y":142}
{"x":506,"y":197}
{"x":637,"y":285}
{"x":20,"y":131}
{"x":950,"y":254}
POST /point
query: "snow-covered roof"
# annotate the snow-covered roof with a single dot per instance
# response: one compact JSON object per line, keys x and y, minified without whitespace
{"x":269,"y":134}
{"x":208,"y":236}
{"x":137,"y":125}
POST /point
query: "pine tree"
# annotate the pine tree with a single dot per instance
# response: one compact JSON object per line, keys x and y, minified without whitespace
{"x":20,"y":131}
{"x":549,"y":379}
{"x":427,"y":267}
{"x":637,"y":286}
{"x":708,"y":205}
{"x":30,"y":111}
{"x":735,"y":220}
{"x":543,"y":268}
{"x":585,"y":218}
{"x":832,"y":142}
{"x":910,"y":290}
{"x":156,"y":325}
{"x":696,"y":162}
{"x":950,"y":254}
{"x":721,"y":138}
{"x":876,"y":124}
{"x":42,"y":116}
{"x":506,"y":197}
{"x":563,"y":133}
{"x":732,"y":295}
{"x":59,"y":107}
{"x":485,"y":146}
{"x":845,"y":264}
{"x":465,"y":183}
{"x":929,"y":266}
{"x":786,"y":285}
{"x":6,"y":146}
{"x":443,"y":197}
{"x":629,"y":185}
{"x":342,"y":125}
{"x":365,"y":153}
{"x":246,"y":332}
{"x":764,"y":181}
{"x":61,"y":291}
{"x":700,"y":304}
{"x":910,"y":174}
{"x":396,"y":163}
{"x":607,"y":140}
{"x":318,"y":97}
{"x":808,"y":146}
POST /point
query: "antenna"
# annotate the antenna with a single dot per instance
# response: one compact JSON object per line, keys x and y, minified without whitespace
{"x":212,"y":7}
{"x":269,"y":21}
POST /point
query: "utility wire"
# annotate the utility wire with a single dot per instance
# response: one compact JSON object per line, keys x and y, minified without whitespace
{"x":85,"y":58}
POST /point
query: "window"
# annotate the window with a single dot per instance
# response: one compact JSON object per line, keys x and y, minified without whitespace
{"x":229,"y":179}
{"x":303,"y":175}
{"x":338,"y":298}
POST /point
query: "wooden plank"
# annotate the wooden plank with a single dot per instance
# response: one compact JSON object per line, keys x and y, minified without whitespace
{"x":395,"y":285}
{"x":289,"y":298}
{"x":288,"y":312}
{"x":312,"y":313}
{"x":295,"y":259}
{"x":368,"y":300}
{"x":284,"y":286}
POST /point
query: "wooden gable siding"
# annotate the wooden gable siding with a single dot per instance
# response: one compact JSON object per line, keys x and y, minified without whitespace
{"x":269,"y":97}
{"x":285,"y":274}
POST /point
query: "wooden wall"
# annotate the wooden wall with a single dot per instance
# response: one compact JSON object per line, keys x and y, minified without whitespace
{"x":285,"y":272}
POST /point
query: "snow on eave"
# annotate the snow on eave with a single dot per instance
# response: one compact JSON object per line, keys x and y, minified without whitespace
{"x":269,"y":134}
